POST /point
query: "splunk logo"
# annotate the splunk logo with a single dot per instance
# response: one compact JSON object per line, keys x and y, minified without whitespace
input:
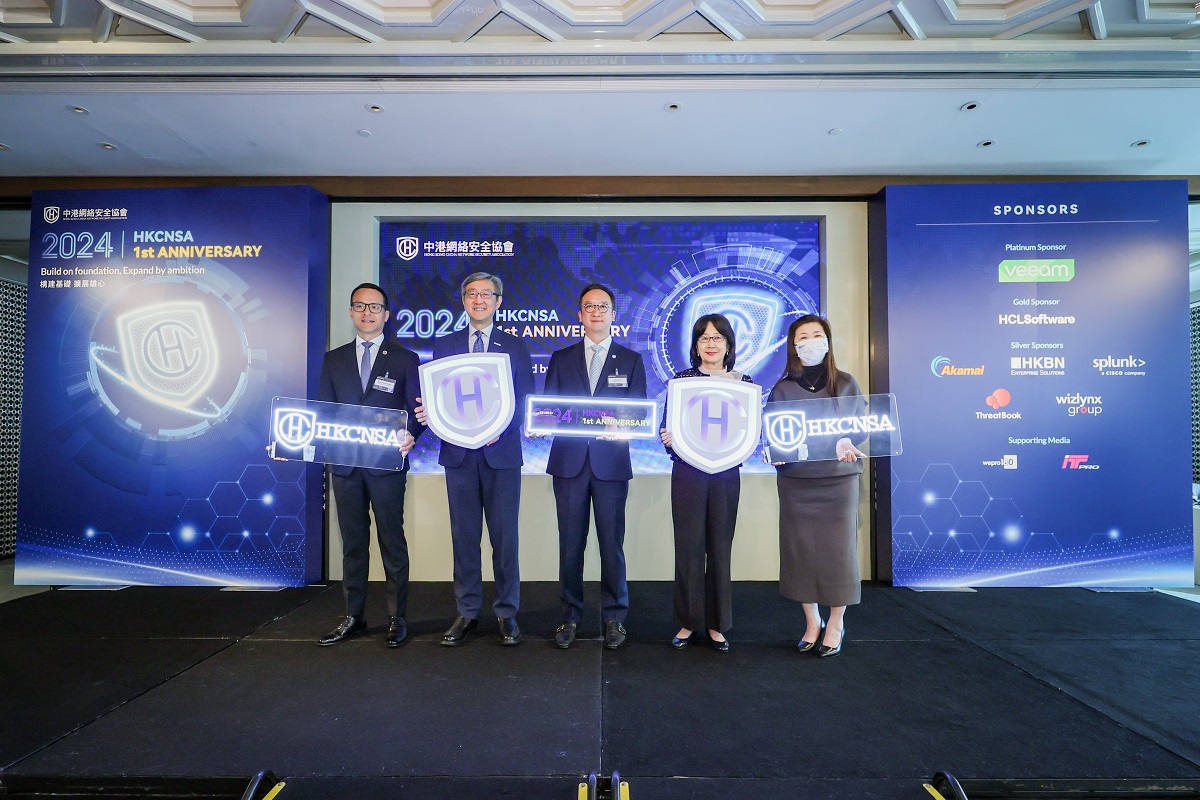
{"x":1037,"y":270}
{"x":1120,"y":365}
{"x":998,"y":400}
{"x":942,"y":367}
{"x":1078,"y":462}
{"x":1081,"y":404}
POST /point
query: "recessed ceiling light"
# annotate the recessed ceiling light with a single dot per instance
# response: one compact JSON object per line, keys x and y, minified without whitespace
{"x":835,"y":131}
{"x":1141,"y":143}
{"x":108,"y":145}
{"x":374,"y":108}
{"x":364,"y":133}
{"x":986,"y":143}
{"x":671,"y":107}
{"x":3,"y":146}
{"x":969,"y":106}
{"x":79,"y":110}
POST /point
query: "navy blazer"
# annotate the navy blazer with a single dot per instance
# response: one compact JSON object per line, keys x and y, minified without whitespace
{"x":567,"y":377}
{"x":341,"y":383}
{"x":506,"y":452}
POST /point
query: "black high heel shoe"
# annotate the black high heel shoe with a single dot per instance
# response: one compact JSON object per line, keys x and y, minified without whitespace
{"x":806,"y":645}
{"x":824,"y":651}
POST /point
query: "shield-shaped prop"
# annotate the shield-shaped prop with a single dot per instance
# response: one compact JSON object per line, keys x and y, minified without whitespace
{"x":714,"y":422}
{"x":169,"y":350}
{"x":469,"y":399}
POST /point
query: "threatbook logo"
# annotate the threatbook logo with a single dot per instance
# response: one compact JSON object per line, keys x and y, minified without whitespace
{"x":998,"y":400}
{"x":942,"y":367}
{"x":1037,"y":270}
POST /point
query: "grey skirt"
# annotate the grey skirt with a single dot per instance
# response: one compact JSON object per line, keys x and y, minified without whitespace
{"x":818,"y":540}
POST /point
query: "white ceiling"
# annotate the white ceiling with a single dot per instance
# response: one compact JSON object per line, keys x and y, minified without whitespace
{"x":586,"y":87}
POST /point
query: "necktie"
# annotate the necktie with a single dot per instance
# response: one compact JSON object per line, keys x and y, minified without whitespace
{"x":478,"y":348}
{"x":364,"y":366}
{"x":595,"y":365}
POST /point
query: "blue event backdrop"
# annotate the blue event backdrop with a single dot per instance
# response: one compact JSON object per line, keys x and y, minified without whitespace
{"x":760,"y":272}
{"x":1038,"y":338}
{"x":161,"y":322}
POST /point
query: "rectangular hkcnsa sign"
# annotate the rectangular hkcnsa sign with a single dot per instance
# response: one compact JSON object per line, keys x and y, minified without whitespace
{"x":809,"y":430}
{"x":337,"y":433}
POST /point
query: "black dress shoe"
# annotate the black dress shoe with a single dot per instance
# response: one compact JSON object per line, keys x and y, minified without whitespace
{"x":679,"y":643}
{"x":348,"y":627}
{"x":614,"y":634}
{"x":564,"y":637}
{"x":806,"y":645}
{"x":510,"y":632}
{"x":721,"y":646}
{"x":458,"y":631}
{"x":397,"y":633}
{"x":824,"y":651}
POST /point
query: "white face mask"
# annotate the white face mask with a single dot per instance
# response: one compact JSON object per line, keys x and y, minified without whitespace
{"x":812,"y":351}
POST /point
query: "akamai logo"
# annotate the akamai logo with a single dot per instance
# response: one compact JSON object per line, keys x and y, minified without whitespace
{"x":943,"y":368}
{"x":407,"y":247}
{"x":51,"y":214}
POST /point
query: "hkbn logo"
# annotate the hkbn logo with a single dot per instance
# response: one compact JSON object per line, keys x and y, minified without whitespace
{"x":1037,"y":270}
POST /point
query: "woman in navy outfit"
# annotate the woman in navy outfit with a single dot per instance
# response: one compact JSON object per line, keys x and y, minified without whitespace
{"x":704,"y":507}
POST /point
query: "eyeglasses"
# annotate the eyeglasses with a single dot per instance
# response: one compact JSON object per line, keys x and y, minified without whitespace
{"x":603,"y":308}
{"x":479,"y":295}
{"x":715,"y":339}
{"x":361,"y":307}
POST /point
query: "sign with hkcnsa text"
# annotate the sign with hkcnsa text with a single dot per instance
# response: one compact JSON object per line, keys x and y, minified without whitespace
{"x":469,"y":399}
{"x":714,"y":422}
{"x":591,"y":416}
{"x":809,"y":430}
{"x":337,"y":433}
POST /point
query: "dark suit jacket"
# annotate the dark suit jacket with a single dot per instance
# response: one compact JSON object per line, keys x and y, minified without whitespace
{"x":506,"y":452}
{"x":340,"y":383}
{"x":567,"y":376}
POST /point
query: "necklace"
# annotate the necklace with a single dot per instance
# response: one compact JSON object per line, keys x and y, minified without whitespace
{"x":811,"y":383}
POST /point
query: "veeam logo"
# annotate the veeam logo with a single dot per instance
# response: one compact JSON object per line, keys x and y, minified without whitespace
{"x":1037,"y":270}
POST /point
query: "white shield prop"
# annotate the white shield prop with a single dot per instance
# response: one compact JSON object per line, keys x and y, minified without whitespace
{"x":169,"y":350}
{"x":469,"y":399}
{"x":715,"y":423}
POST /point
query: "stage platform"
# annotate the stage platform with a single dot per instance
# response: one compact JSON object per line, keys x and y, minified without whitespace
{"x":1002,"y":683}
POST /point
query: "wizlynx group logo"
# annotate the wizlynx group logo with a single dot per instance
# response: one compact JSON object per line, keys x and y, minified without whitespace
{"x":1078,"y":462}
{"x":1120,"y":365}
{"x":942,"y":367}
{"x":997,"y":400}
{"x":1081,"y":404}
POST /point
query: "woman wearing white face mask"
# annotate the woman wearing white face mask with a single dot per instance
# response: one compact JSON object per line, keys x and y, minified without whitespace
{"x":818,"y":500}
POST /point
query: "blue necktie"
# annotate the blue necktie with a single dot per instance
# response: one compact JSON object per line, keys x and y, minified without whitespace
{"x":478,"y":348}
{"x":364,"y":367}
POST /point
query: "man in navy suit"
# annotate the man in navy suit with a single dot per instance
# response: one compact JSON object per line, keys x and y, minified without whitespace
{"x":374,"y":371}
{"x":592,"y":475}
{"x":485,"y":482}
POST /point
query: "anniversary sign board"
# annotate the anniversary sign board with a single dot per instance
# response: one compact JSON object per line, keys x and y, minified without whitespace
{"x":591,"y":416}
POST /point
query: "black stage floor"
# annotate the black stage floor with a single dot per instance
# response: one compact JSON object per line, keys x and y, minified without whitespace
{"x":1003,"y":683}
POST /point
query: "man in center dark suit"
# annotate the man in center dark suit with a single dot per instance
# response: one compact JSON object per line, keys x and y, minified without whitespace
{"x":372,"y":370}
{"x":592,"y":475}
{"x":485,"y":482}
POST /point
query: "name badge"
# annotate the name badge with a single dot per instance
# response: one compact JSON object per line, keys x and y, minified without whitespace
{"x":385,"y":384}
{"x":618,"y":381}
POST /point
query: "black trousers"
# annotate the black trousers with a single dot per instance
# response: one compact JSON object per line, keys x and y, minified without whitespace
{"x":704,"y":511}
{"x":477,"y":492}
{"x":384,"y":495}
{"x":576,"y":499}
